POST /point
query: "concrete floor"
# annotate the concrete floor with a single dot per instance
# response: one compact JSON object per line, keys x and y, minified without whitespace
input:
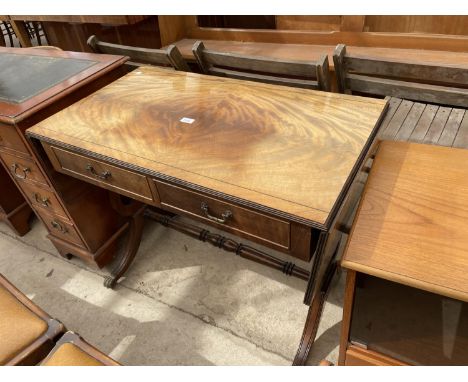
{"x":182,"y":302}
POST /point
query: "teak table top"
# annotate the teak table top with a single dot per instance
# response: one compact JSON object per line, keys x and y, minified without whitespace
{"x":411,"y":226}
{"x":31,"y":79}
{"x":290,"y":150}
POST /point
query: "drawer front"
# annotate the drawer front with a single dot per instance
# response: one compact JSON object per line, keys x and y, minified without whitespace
{"x":224,"y":215}
{"x":104,"y":175}
{"x":23,"y":169}
{"x":11,"y":139}
{"x":60,"y":227}
{"x":43,"y":198}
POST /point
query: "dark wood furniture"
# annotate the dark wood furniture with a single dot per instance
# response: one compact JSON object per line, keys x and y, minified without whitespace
{"x":414,"y":80}
{"x":70,"y":32}
{"x":407,"y":261}
{"x":169,"y":56}
{"x":36,"y":83}
{"x":72,"y":350}
{"x":289,"y":51}
{"x":14,"y":210}
{"x":272,"y":164}
{"x":310,"y":74}
{"x":27,"y":333}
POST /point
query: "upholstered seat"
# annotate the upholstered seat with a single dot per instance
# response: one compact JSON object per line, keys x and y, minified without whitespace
{"x":72,"y":350}
{"x":19,"y":327}
{"x":71,"y":355}
{"x":26,"y":332}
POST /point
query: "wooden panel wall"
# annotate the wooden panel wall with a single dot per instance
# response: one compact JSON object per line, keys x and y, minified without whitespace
{"x":454,"y":25}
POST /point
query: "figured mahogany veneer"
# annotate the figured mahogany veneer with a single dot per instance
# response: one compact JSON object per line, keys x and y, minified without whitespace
{"x":291,"y":151}
{"x":36,"y":84}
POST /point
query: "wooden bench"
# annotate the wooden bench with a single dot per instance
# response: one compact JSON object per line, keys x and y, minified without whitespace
{"x":169,"y":56}
{"x":303,"y":74}
{"x":422,"y":107}
{"x":443,"y":84}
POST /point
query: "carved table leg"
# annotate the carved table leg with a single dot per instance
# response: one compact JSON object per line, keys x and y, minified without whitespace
{"x":314,"y":316}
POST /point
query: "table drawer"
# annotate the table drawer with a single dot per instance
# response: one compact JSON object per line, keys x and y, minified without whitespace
{"x":23,"y":169}
{"x":11,"y":139}
{"x":60,"y":227}
{"x":43,"y":198}
{"x":239,"y":220}
{"x":102,"y":174}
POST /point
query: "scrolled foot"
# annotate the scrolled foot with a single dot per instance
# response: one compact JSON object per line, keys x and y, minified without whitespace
{"x":109,"y":282}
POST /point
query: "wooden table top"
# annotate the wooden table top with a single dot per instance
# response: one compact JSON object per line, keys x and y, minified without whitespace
{"x":411,"y":226}
{"x":290,"y":150}
{"x":34,"y":78}
{"x":307,"y":52}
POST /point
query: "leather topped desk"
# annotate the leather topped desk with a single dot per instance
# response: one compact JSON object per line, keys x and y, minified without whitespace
{"x":407,"y":256}
{"x":34,"y":84}
{"x":269,"y":163}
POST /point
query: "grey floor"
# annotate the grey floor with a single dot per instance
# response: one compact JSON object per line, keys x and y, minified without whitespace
{"x":182,"y":302}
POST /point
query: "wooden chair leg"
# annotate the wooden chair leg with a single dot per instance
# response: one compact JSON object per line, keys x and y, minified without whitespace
{"x":314,"y":316}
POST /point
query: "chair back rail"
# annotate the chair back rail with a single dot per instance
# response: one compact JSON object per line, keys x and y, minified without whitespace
{"x":426,"y":82}
{"x":170,"y":56}
{"x":314,"y":75}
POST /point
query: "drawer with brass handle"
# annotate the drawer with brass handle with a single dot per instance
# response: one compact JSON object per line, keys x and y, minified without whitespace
{"x":44,"y":198}
{"x":102,"y":174}
{"x":10,"y":139}
{"x":23,"y":168}
{"x":253,"y":225}
{"x":60,"y":227}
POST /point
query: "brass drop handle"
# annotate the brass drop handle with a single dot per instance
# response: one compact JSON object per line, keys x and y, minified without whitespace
{"x":104,"y":176}
{"x":26,"y":170}
{"x":58,"y":226}
{"x":224,"y":216}
{"x":43,"y":201}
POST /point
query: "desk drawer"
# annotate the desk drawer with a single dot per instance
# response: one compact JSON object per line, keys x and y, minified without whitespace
{"x":224,"y":215}
{"x":43,"y":198}
{"x":10,"y":139}
{"x":60,"y":227}
{"x":23,"y":169}
{"x":104,"y":175}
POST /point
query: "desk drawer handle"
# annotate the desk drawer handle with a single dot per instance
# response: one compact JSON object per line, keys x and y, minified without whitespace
{"x":104,"y":176}
{"x":26,"y":170}
{"x":58,"y":226}
{"x":224,"y":217}
{"x":43,"y":201}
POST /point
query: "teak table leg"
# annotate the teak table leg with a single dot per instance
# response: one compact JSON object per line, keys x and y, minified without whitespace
{"x":314,"y":316}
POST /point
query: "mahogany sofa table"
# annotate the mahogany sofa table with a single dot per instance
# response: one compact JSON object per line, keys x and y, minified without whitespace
{"x":34,"y":84}
{"x":272,"y":164}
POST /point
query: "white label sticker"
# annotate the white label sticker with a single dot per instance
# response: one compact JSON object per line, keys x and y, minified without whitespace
{"x":187,"y":120}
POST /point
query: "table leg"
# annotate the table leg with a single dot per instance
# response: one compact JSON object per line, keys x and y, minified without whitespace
{"x":135,"y":212}
{"x":313,"y":317}
{"x":136,"y":225}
